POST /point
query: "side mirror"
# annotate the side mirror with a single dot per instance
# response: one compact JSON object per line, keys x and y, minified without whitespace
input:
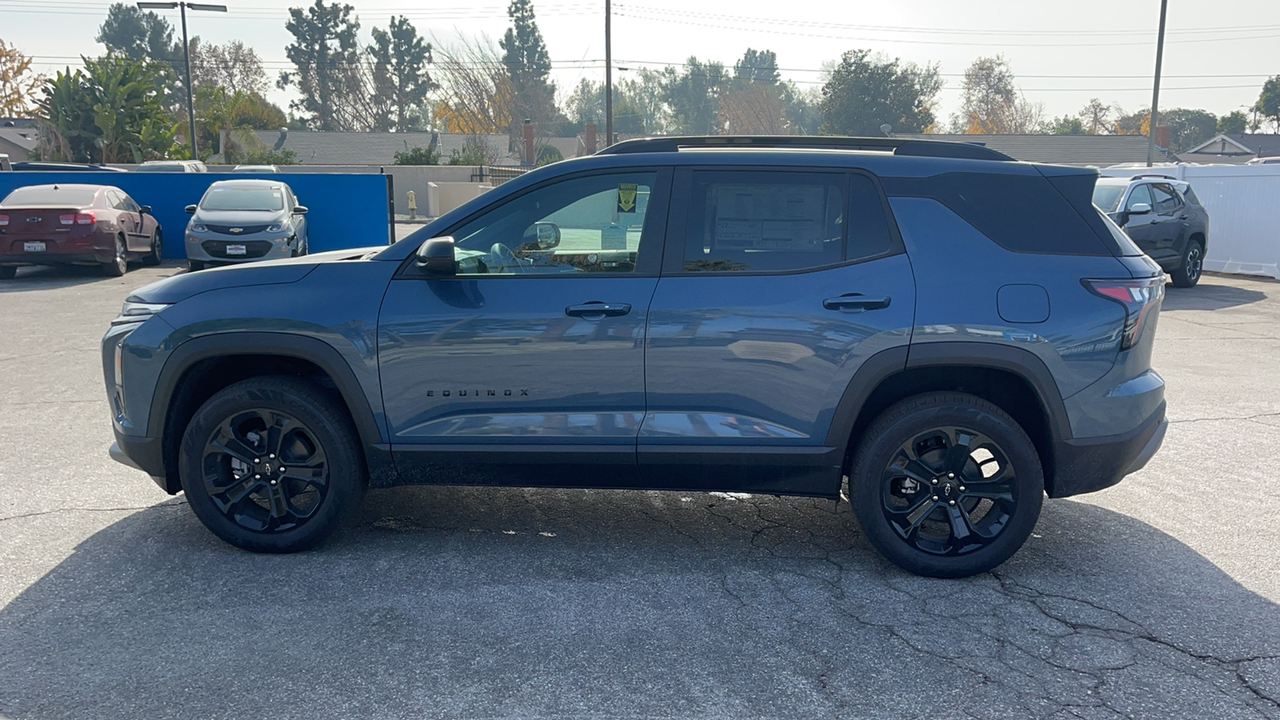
{"x":300,"y":210}
{"x":191,"y":209}
{"x":144,"y":209}
{"x":548,"y":235}
{"x":435,"y":257}
{"x":1140,"y":209}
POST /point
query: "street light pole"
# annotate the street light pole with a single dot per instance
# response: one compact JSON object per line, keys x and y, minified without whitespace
{"x":186,"y":53}
{"x":1155,"y":94}
{"x":608,"y":77}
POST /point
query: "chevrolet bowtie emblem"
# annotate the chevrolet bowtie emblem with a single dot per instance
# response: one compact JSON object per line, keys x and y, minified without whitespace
{"x":237,"y":230}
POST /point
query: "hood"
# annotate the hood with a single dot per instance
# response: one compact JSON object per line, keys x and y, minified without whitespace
{"x":271,"y":272}
{"x":239,"y":217}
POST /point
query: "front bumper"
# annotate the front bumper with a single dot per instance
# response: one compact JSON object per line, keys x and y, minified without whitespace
{"x":1090,"y":464}
{"x":213,"y":248}
{"x":145,"y":454}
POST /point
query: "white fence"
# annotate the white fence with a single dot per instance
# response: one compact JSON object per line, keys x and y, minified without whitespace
{"x":1244,"y":212}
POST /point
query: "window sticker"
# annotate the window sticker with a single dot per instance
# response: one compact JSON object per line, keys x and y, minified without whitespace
{"x":627,"y":197}
{"x":768,"y":217}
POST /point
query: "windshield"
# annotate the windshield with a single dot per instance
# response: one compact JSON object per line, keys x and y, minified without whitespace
{"x":266,"y":199}
{"x":62,"y":197}
{"x":1107,"y":197}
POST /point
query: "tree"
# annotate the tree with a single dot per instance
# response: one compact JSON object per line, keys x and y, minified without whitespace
{"x":1268,"y":105}
{"x":1233,"y":123}
{"x":220,"y":112}
{"x":234,"y":66}
{"x":1065,"y":125}
{"x":1188,"y":128}
{"x":401,"y":81}
{"x":992,"y":104}
{"x":139,"y":34}
{"x":759,"y":66}
{"x":110,"y":112}
{"x":692,"y":96}
{"x":326,"y":58}
{"x":865,"y":92}
{"x":529,"y":67}
{"x":477,"y":96}
{"x":475,"y":151}
{"x":1138,"y":123}
{"x":1097,"y":117}
{"x":18,"y":82}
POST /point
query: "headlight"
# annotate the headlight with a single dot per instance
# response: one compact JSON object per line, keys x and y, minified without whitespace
{"x":276,"y":227}
{"x":136,"y":312}
{"x":197,"y":227}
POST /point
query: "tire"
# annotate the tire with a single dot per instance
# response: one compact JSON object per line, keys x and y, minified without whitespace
{"x":1188,"y":273}
{"x":902,"y":464}
{"x":194,"y":266}
{"x":8,"y":272}
{"x":153,"y":258}
{"x":118,"y":266}
{"x":229,"y":465}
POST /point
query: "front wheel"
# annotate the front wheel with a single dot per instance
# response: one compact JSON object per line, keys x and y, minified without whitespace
{"x":946,"y":485}
{"x":156,"y":254}
{"x":1188,"y":274}
{"x":271,"y":464}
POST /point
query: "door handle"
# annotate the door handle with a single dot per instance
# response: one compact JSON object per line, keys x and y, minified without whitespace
{"x":595,"y":310}
{"x":855,"y":302}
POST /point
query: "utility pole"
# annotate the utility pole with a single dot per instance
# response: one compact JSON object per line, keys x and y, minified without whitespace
{"x":608,"y":76}
{"x":186,"y":53}
{"x":1155,"y":94}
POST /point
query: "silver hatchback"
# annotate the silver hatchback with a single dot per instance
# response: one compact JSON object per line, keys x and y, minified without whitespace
{"x":245,"y":220}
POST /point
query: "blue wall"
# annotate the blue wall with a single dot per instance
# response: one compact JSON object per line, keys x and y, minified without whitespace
{"x":343,"y":211}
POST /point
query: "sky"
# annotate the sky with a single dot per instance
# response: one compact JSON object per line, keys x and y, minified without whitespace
{"x":1217,"y":55}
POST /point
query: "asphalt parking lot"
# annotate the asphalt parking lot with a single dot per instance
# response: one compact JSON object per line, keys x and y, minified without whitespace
{"x":1154,"y":599}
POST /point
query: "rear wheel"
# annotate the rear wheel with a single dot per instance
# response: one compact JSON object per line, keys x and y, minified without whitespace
{"x":1188,"y":273}
{"x":194,"y":266}
{"x":118,"y":265}
{"x":946,"y":485}
{"x":271,"y":464}
{"x":153,"y":258}
{"x":8,"y":272}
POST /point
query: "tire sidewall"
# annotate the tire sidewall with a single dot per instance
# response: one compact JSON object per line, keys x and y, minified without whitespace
{"x":883,"y":440}
{"x":332,"y":431}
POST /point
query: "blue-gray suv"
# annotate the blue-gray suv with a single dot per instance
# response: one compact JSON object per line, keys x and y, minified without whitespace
{"x":946,"y":332}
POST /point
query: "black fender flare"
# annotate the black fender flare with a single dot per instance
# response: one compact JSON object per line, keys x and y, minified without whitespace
{"x":885,"y":364}
{"x":289,"y":345}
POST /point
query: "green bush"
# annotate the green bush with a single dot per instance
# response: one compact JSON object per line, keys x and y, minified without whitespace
{"x":417,"y":156}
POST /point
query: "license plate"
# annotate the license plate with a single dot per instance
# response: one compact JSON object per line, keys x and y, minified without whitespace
{"x":235,"y":249}
{"x":37,"y":246}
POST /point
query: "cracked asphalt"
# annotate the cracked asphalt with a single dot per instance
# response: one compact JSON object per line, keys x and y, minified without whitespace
{"x":1153,"y":599}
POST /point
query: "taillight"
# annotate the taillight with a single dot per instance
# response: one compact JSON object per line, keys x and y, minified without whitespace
{"x":1138,"y":298}
{"x":86,"y":218}
{"x":4,"y":220}
{"x":68,"y":219}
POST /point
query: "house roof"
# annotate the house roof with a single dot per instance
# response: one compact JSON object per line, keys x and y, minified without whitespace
{"x":1239,"y":147}
{"x":18,"y":142}
{"x":373,"y":148}
{"x":1099,"y":150}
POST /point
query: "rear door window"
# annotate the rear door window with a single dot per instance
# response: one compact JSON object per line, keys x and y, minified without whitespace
{"x":765,"y":221}
{"x":1167,"y":201}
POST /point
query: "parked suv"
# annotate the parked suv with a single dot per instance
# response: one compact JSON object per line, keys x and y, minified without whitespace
{"x":955,"y":332}
{"x":1164,"y":217}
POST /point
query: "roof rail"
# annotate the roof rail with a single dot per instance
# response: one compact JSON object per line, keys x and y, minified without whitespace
{"x":1153,"y":175}
{"x":898,"y":146}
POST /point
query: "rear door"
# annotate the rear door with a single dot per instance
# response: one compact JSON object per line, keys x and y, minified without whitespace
{"x":1171,"y":223}
{"x":130,"y":222}
{"x":777,"y":286}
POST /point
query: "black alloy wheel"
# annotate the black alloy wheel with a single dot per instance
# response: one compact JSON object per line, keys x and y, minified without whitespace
{"x":947,"y":485}
{"x":1188,"y":274}
{"x":271,"y":464}
{"x":265,"y":470}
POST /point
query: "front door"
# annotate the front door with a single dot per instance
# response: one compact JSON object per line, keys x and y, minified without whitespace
{"x":536,"y":345}
{"x":776,"y":287}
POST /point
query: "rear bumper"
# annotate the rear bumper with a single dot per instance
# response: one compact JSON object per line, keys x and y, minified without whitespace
{"x":54,"y":258}
{"x":1091,"y":464}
